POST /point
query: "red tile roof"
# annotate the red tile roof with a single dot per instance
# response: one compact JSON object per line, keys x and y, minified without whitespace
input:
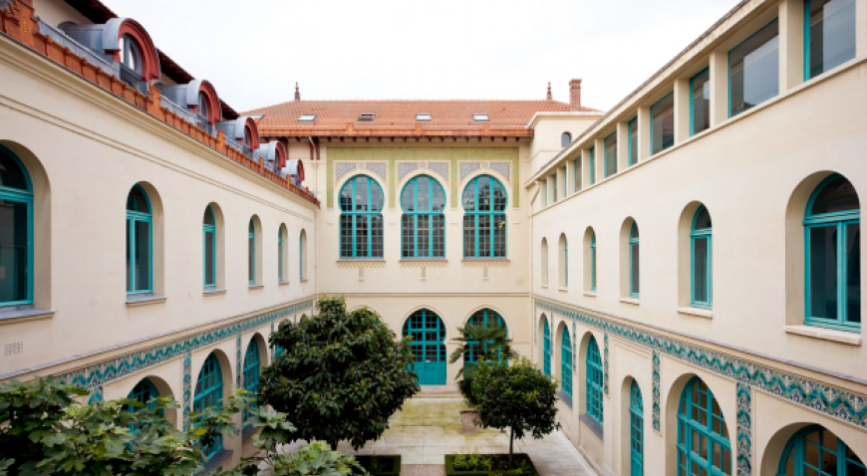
{"x":397,"y":118}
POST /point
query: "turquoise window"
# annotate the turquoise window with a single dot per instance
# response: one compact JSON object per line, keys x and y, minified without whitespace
{"x":829,"y":35}
{"x":576,"y":171}
{"x":632,"y":129}
{"x":565,"y":139}
{"x":566,"y":363}
{"x":702,"y":263}
{"x":634,"y":260}
{"x":636,"y":431}
{"x":483,"y":317}
{"x":702,"y":436}
{"x":139,"y":242}
{"x":16,"y":202}
{"x":593,"y":262}
{"x":302,"y":249}
{"x":611,"y":155}
{"x":361,"y":227}
{"x":592,"y":163}
{"x":594,"y":381}
{"x":280,"y":254}
{"x":423,"y":223}
{"x":662,"y":124}
{"x":209,"y":240}
{"x":484,"y":202}
{"x":545,"y":193}
{"x":251,"y":252}
{"x":546,"y":363}
{"x":252,"y":371}
{"x":699,"y":102}
{"x":814,"y":450}
{"x":428,"y":346}
{"x":209,"y":393}
{"x":832,"y":237}
{"x":754,"y":70}
{"x":144,"y":392}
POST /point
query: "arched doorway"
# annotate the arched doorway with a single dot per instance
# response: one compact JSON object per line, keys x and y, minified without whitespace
{"x":428,"y":346}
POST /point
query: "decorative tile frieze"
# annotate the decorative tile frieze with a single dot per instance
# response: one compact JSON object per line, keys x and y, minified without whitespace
{"x":405,"y":168}
{"x":424,"y":263}
{"x":378,"y":168}
{"x":656,"y":392}
{"x":343,"y":168}
{"x":503,"y":168}
{"x":361,"y":263}
{"x":605,"y":365}
{"x":440,"y":168}
{"x":238,"y":361}
{"x":188,"y":388}
{"x":469,"y":167}
{"x":745,"y":418}
{"x":482,"y":263}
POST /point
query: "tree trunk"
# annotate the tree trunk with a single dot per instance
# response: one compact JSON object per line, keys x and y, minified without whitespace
{"x":511,"y":444}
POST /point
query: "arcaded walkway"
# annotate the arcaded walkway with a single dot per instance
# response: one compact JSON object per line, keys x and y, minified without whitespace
{"x":427,"y":429}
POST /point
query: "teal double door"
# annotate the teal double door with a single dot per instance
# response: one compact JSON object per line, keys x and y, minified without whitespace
{"x":428,"y":346}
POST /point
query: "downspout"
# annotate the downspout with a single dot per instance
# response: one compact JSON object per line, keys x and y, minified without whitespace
{"x":316,"y":215}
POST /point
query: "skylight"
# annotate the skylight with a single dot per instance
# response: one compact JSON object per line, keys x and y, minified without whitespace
{"x":307,"y":118}
{"x":366,"y":117}
{"x":423,"y":117}
{"x":481,"y":117}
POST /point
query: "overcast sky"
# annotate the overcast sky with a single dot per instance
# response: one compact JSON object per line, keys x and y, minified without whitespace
{"x":254,"y":51}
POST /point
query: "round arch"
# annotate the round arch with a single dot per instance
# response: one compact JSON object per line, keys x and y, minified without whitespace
{"x":481,"y":307}
{"x":428,"y":332}
{"x":163,"y":389}
{"x":633,"y":426}
{"x":495,"y":174}
{"x":402,"y":183}
{"x":581,"y":366}
{"x":363,"y":173}
{"x":149,"y":57}
{"x":557,"y":361}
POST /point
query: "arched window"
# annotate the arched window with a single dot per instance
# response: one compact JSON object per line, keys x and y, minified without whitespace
{"x":423,"y":223}
{"x":565,"y":139}
{"x":483,"y":317}
{"x":280,"y":254}
{"x":546,"y":362}
{"x":814,"y":450}
{"x":252,"y":369}
{"x":361,"y":202}
{"x":209,"y":393}
{"x":130,"y":54}
{"x":428,"y":346}
{"x":143,"y":391}
{"x":302,"y":252}
{"x":251,"y":252}
{"x":563,"y":262}
{"x":139,"y":242}
{"x":636,"y":431}
{"x":544,"y":261}
{"x":634,"y":262}
{"x":594,"y":380}
{"x":702,"y":264}
{"x":203,"y":111}
{"x":832,"y":235}
{"x":566,"y":362}
{"x":16,"y":221}
{"x":209,"y":236}
{"x":593,"y":262}
{"x":484,"y":202}
{"x":702,"y":435}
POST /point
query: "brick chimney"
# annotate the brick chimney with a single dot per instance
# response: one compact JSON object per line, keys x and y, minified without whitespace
{"x":297,"y":92}
{"x":575,"y":95}
{"x":550,"y":97}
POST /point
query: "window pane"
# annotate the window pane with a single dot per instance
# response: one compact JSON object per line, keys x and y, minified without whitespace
{"x":836,"y":196}
{"x":700,"y":112}
{"x":853,"y":272}
{"x":14,"y":232}
{"x":469,"y":236}
{"x":754,"y":74}
{"x":662,"y":124}
{"x":823,"y":272}
{"x":700,"y":267}
{"x":209,"y":258}
{"x":407,"y":243}
{"x":142,"y":256}
{"x":376,"y":236}
{"x":11,"y":174}
{"x":362,"y":234}
{"x":611,"y":155}
{"x":485,"y":236}
{"x":423,"y":233}
{"x":439,"y":236}
{"x":832,"y":34}
{"x":251,"y":251}
{"x":635,"y":261}
{"x":346,"y":236}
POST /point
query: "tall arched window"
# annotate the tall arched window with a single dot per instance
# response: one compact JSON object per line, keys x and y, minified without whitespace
{"x":565,"y":139}
{"x":16,"y":221}
{"x":130,"y":54}
{"x":566,"y":362}
{"x":816,"y":450}
{"x":209,"y":393}
{"x":563,"y":262}
{"x":702,"y":435}
{"x":546,"y":356}
{"x":484,"y":202}
{"x":302,"y":253}
{"x":832,"y":236}
{"x":252,"y":369}
{"x":593,"y":262}
{"x":423,"y":223}
{"x":634,"y":262}
{"x":361,"y":202}
{"x":702,"y":264}
{"x":636,"y":431}
{"x":280,"y":254}
{"x":483,"y":317}
{"x":251,"y":252}
{"x":594,"y":380}
{"x":143,"y":392}
{"x":209,"y":236}
{"x":139,"y":242}
{"x":544,"y":261}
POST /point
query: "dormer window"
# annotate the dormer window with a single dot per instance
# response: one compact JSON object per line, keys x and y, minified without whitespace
{"x":130,"y":55}
{"x":423,"y":117}
{"x":203,"y":108}
{"x":481,"y":118}
{"x":366,"y":117}
{"x":307,"y":118}
{"x":247,"y":139}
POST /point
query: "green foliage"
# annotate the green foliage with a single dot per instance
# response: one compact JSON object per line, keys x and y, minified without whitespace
{"x":315,"y":459}
{"x":518,"y":397}
{"x":341,"y":376}
{"x":475,"y":464}
{"x":490,"y":343}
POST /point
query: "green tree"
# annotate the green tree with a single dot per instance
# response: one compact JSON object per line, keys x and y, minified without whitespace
{"x":489,"y":343}
{"x":518,"y":397}
{"x":341,"y":375}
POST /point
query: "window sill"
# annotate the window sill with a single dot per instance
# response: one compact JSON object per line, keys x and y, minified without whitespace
{"x":213,"y":291}
{"x":594,"y":425}
{"x":694,"y":311}
{"x":486,"y":260}
{"x":563,"y":290}
{"x":255,"y":286}
{"x":282,"y":283}
{"x":841,"y":337}
{"x":630,"y":300}
{"x":544,"y":286}
{"x":302,"y":281}
{"x":564,"y":398}
{"x":16,"y":314}
{"x":247,"y":432}
{"x":217,"y":460}
{"x":590,"y":294}
{"x":136,"y":300}
{"x":423,"y":260}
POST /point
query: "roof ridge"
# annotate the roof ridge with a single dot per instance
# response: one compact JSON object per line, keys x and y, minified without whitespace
{"x":404,"y":101}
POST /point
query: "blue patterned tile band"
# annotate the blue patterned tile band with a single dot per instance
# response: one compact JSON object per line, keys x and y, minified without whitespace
{"x":468,"y":168}
{"x":188,"y":388}
{"x":745,"y":419}
{"x":656,"y":393}
{"x":404,"y":168}
{"x":605,"y":366}
{"x":343,"y":168}
{"x":440,"y":168}
{"x":378,"y":169}
{"x":503,"y":168}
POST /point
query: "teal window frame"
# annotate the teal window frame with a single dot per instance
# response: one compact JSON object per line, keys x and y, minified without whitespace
{"x":703,"y":74}
{"x":546,"y":357}
{"x":484,"y":317}
{"x":796,"y":451}
{"x":144,"y":392}
{"x":251,"y":252}
{"x":760,"y":30}
{"x":412,"y":221}
{"x":209,"y":392}
{"x":566,"y":363}
{"x":593,"y":375}
{"x":473,"y":220}
{"x":610,"y":158}
{"x":673,"y":112}
{"x":132,"y":219}
{"x":209,"y":234}
{"x":592,"y":154}
{"x":370,"y":212}
{"x":565,"y":263}
{"x":280,"y":254}
{"x":808,"y":74}
{"x":25,"y":196}
{"x":593,"y":262}
{"x":428,"y":336}
{"x":636,"y":430}
{"x":632,"y":142}
{"x":840,"y":220}
{"x":634,"y":262}
{"x":695,"y":235}
{"x":252,"y":371}
{"x":301,"y":239}
{"x":700,"y":422}
{"x":576,"y":175}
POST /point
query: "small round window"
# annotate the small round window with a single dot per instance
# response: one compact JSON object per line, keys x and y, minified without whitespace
{"x":130,"y":55}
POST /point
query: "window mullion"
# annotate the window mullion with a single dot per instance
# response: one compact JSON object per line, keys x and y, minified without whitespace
{"x":841,"y":272}
{"x":130,"y":223}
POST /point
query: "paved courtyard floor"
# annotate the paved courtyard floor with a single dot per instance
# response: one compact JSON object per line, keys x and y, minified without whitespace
{"x":427,"y":429}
